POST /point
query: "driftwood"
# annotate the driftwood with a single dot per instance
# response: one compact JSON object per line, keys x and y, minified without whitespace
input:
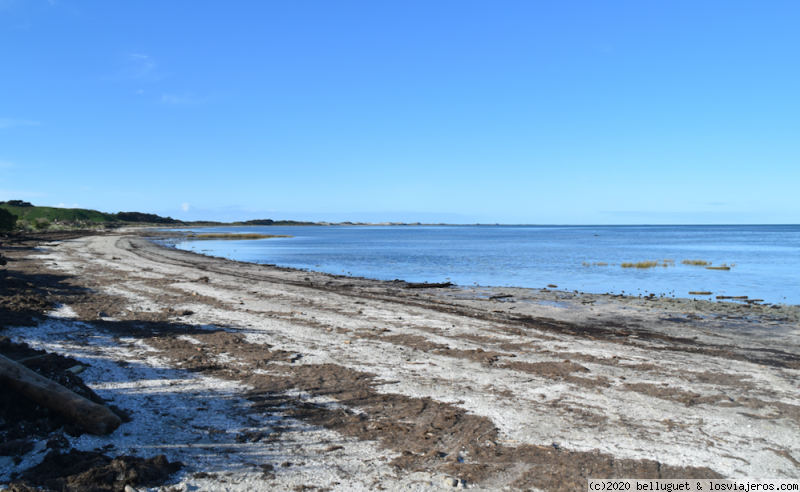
{"x":428,"y":286}
{"x":91,"y":417}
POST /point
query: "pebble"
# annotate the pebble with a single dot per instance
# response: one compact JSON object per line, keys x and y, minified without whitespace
{"x":450,"y":481}
{"x":128,"y":488}
{"x":102,"y":314}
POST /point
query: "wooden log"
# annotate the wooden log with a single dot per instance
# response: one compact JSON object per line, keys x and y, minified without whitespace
{"x":33,"y":360}
{"x":91,"y":417}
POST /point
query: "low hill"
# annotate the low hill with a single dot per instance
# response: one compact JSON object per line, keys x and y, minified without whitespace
{"x":270,"y":222}
{"x":146,"y":218}
{"x":27,"y":211}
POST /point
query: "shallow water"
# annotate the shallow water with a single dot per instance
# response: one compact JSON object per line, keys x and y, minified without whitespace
{"x":767,"y":258}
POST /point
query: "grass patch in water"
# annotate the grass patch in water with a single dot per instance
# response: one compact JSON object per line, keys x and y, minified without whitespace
{"x":596,"y":263}
{"x":724,"y":266}
{"x":641,"y":264}
{"x":232,"y":236}
{"x":696,"y":262}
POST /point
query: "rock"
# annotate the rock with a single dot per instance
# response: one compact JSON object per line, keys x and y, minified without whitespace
{"x":451,"y":482}
{"x":552,"y":286}
{"x":128,"y":488}
{"x":102,"y":314}
{"x":187,"y":313}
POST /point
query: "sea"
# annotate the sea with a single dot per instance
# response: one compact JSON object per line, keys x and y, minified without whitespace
{"x":764,"y":260}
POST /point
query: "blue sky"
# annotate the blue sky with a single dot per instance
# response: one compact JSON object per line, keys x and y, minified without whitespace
{"x":563,"y":112}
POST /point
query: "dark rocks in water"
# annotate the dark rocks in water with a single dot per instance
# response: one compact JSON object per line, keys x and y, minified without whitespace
{"x":429,"y":286}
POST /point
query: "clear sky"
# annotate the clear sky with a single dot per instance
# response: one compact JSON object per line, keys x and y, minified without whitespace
{"x":548,"y":112}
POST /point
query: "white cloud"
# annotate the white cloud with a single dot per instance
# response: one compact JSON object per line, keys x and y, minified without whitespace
{"x":185,"y":207}
{"x":9,"y":123}
{"x":185,"y":100}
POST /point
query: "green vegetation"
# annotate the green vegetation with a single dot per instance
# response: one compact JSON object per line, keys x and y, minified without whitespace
{"x":641,"y":264}
{"x":145,"y":218}
{"x":26,"y":217}
{"x":724,"y":266}
{"x":41,"y":223}
{"x":7,"y":221}
{"x":25,"y":211}
{"x":596,"y":263}
{"x":270,"y":222}
{"x":696,"y":262}
{"x":232,"y":236}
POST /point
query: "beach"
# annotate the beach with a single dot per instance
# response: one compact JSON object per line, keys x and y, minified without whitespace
{"x":258,"y":377}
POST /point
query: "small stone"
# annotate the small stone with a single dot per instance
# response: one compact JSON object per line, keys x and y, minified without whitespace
{"x":102,"y":314}
{"x":128,"y":488}
{"x":450,"y":482}
{"x":347,"y":341}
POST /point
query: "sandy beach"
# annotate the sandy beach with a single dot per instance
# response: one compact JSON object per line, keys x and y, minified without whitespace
{"x":257,"y":377}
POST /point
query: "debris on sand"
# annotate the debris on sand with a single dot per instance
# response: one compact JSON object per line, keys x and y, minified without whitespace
{"x":88,"y":470}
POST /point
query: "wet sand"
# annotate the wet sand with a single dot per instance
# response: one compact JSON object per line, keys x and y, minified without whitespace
{"x":264,"y":378}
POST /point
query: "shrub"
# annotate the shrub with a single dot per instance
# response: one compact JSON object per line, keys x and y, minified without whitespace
{"x":41,"y":223}
{"x":7,"y":220}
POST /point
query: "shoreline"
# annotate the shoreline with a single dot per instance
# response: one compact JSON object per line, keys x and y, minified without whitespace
{"x":790,"y":312}
{"x":538,"y":390}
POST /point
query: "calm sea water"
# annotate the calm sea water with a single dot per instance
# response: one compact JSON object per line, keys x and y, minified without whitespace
{"x":767,"y":258}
